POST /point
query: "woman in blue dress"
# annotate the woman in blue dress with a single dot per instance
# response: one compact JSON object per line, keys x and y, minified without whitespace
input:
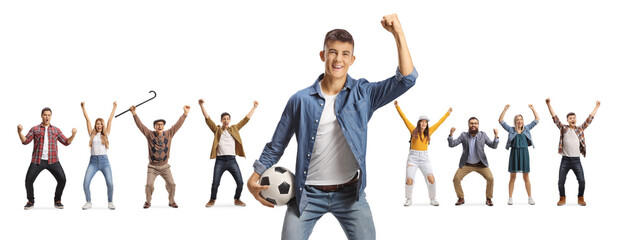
{"x":519,"y":139}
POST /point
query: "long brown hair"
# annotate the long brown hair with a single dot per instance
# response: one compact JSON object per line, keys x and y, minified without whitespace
{"x":103,"y":135}
{"x":425,"y":133}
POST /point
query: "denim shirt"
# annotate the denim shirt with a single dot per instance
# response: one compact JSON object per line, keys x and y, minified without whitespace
{"x":355,"y":104}
{"x":512,"y":133}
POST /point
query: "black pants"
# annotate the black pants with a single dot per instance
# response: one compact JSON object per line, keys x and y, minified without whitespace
{"x":55,"y":169}
{"x":573,"y":164}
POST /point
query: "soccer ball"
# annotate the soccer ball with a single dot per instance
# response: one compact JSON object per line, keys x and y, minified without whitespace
{"x":280,"y":182}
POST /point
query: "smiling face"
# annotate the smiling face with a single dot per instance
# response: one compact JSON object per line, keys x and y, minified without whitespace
{"x":46,"y":115}
{"x":159,"y":127}
{"x":518,"y":121}
{"x":473,"y":126}
{"x":337,"y":57}
{"x":225,"y":121}
{"x":571,"y":119}
{"x":98,"y":125}
{"x":423,"y":124}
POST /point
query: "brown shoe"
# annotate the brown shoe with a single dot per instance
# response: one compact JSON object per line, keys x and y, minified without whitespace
{"x":146,"y":205}
{"x":581,"y":201}
{"x":210,"y":203}
{"x":562,"y":201}
{"x":173,"y":205}
{"x":489,"y":202}
{"x":238,"y":202}
{"x":460,"y":201}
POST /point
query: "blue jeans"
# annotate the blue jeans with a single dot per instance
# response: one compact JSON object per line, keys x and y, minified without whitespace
{"x":355,"y":217}
{"x":571,"y":163}
{"x":98,"y":163}
{"x":222,"y":164}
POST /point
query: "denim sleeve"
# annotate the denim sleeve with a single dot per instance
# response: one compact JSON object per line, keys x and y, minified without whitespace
{"x":284,"y":131}
{"x":532,"y":124}
{"x":506,"y":126}
{"x":383,"y":92}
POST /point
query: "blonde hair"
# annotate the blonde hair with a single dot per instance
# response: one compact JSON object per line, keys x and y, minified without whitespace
{"x":103,"y":135}
{"x":516,"y":126}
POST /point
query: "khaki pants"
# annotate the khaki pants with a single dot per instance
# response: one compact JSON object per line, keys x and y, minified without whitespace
{"x":465,"y":170}
{"x":165,"y":172}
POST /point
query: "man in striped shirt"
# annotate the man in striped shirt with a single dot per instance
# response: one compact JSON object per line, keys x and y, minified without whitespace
{"x":45,"y":156}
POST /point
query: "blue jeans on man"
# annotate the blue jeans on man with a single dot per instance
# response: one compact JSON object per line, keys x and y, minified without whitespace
{"x":222,"y":164}
{"x":98,"y":163}
{"x":574,"y":164}
{"x":355,"y":217}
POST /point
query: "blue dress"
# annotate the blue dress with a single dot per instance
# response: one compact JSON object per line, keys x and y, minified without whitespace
{"x":519,"y":155}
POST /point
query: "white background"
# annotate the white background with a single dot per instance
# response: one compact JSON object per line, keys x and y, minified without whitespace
{"x":475,"y":56}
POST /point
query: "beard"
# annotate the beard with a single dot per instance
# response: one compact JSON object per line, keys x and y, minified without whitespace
{"x":473,"y":130}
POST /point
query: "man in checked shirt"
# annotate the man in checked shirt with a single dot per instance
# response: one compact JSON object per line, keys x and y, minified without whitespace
{"x":45,"y":156}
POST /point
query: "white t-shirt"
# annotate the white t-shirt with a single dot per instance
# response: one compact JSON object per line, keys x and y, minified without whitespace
{"x":227,"y":144}
{"x":332,"y":161}
{"x":98,"y":147}
{"x":45,"y":148}
{"x":570,"y":144}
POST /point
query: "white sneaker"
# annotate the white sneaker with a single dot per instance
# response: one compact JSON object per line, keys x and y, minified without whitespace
{"x":435,"y":202}
{"x":111,"y":206}
{"x":87,"y":206}
{"x":510,"y":201}
{"x":408,"y":202}
{"x":531,"y":201}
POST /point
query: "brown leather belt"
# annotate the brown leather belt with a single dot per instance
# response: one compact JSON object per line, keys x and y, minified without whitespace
{"x":338,"y":187}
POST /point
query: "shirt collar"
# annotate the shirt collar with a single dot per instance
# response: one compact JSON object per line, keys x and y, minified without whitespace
{"x":315,"y":89}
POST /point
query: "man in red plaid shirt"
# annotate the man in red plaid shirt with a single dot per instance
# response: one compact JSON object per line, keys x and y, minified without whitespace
{"x":45,"y":156}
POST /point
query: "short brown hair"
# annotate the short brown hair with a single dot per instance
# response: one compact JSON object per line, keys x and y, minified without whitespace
{"x":338,"y":35}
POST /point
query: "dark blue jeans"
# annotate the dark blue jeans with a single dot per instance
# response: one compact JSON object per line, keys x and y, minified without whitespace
{"x":571,"y":163}
{"x":222,"y":164}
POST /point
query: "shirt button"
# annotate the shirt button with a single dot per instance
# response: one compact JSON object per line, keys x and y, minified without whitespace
{"x":321,"y":104}
{"x":308,"y":154}
{"x":300,"y":189}
{"x":316,"y":120}
{"x":304,"y":172}
{"x":312,"y":138}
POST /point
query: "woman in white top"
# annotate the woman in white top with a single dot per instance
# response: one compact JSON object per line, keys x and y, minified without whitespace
{"x":99,"y":143}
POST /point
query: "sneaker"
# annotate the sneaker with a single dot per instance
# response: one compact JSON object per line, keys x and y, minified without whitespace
{"x":531,"y":201}
{"x":239,"y":203}
{"x":510,"y":201}
{"x":434,"y":202}
{"x":408,"y":202}
{"x":87,"y":206}
{"x":210,"y":203}
{"x":58,"y":205}
{"x":29,"y":205}
{"x":111,"y":206}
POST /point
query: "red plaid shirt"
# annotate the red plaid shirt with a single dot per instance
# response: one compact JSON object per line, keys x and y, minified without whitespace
{"x":54,"y":135}
{"x":579,"y":131}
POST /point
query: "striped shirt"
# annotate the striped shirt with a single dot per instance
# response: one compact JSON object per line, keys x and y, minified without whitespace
{"x":37,"y":133}
{"x":579,"y":131}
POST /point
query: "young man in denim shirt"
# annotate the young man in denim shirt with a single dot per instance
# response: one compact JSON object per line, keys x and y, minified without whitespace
{"x":329,"y":120}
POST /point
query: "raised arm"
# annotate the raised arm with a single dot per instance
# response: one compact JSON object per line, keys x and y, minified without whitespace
{"x":87,"y":119}
{"x":251,"y":112}
{"x":454,"y":142}
{"x":595,"y":110}
{"x":548,"y":101}
{"x":409,"y":125}
{"x":392,"y":25}
{"x":145,"y":131}
{"x":209,"y":122}
{"x":109,"y":121}
{"x":534,"y":112}
{"x":180,"y":121}
{"x":503,"y":113}
{"x":437,"y":125}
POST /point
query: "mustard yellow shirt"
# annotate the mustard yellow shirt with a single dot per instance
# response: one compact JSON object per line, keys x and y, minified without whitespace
{"x":417,"y":143}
